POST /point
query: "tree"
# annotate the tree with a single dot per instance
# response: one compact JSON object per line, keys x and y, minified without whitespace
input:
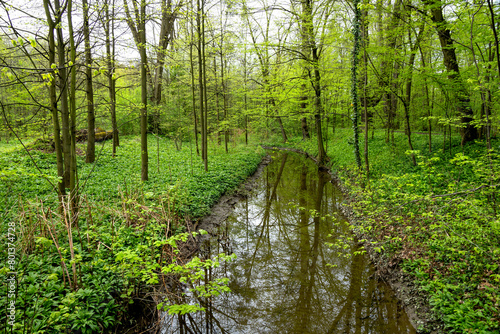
{"x":73,"y":181}
{"x":89,"y":90}
{"x":313,"y":52}
{"x":468,"y":130}
{"x":407,"y":99}
{"x":109,"y":28}
{"x":53,"y":96}
{"x":155,"y":71}
{"x":354,"y":79}
{"x":138,"y":27}
{"x":193,"y":88}
{"x":200,"y":32}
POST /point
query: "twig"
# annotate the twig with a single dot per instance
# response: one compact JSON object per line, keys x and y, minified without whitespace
{"x":63,"y":263}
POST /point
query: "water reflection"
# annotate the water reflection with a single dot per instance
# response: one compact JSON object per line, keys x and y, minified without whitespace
{"x":286,"y":279}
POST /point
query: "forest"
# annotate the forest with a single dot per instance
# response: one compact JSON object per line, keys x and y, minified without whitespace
{"x":123,"y":122}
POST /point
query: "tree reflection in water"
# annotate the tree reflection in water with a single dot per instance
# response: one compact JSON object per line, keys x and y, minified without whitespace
{"x":285,"y":278}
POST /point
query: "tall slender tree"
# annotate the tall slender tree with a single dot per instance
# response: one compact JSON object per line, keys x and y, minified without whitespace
{"x":468,"y":130}
{"x":62,"y":75}
{"x":356,"y":23}
{"x":53,"y":21}
{"x":313,"y":52}
{"x":193,"y":86}
{"x":89,"y":90}
{"x":109,"y":28}
{"x":200,"y":32}
{"x":137,"y":25}
{"x":73,"y":182}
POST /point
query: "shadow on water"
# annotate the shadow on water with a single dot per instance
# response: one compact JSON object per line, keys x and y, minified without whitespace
{"x":298,"y":267}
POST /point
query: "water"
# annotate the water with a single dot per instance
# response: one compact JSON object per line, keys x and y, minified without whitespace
{"x":298,"y":268}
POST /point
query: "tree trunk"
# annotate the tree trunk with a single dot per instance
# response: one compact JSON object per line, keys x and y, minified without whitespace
{"x":309,"y":42}
{"x":318,"y":106}
{"x":495,"y":35}
{"x":89,"y":90}
{"x":224,"y":102}
{"x":354,"y":81}
{"x":138,"y":29}
{"x":144,"y":95}
{"x":217,"y":104}
{"x":364,"y":82}
{"x":110,"y":61}
{"x":166,"y":32}
{"x":390,"y":67}
{"x":63,"y":87}
{"x":468,"y":131}
{"x":305,"y":128}
{"x":199,"y":18}
{"x":73,"y":180}
{"x":365,"y":107}
{"x":195,"y":117}
{"x":282,"y":128}
{"x":223,"y":82}
{"x":204,"y":72}
{"x":245,"y":93}
{"x":407,"y":102}
{"x":53,"y":97}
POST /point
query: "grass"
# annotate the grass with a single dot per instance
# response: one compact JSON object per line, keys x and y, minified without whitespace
{"x":438,"y":220}
{"x":181,"y":172}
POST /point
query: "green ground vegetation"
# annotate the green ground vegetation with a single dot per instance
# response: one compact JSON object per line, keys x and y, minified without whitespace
{"x":89,"y":276}
{"x":439,"y":220}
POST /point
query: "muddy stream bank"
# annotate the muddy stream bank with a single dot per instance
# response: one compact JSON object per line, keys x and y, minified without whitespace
{"x":299,"y":268}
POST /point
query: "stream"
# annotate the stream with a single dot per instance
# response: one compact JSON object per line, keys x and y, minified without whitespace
{"x":299,"y":269}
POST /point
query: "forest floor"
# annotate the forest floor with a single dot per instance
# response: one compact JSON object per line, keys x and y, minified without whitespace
{"x":434,"y":224}
{"x":433,"y":229}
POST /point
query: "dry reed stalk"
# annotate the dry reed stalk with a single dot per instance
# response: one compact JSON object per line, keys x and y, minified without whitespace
{"x":67,"y":222}
{"x":54,"y":239}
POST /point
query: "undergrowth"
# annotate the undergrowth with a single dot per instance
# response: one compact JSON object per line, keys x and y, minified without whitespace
{"x":90,"y":277}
